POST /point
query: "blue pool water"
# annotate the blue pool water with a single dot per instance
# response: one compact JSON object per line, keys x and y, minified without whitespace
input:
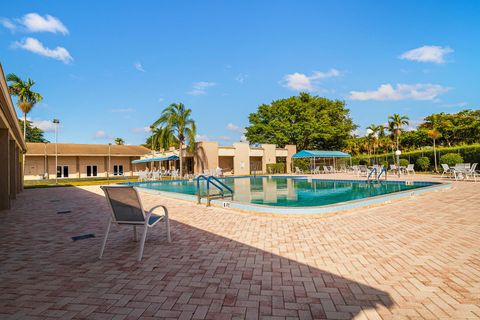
{"x":290,"y":191}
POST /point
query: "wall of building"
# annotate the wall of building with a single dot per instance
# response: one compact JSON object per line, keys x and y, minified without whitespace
{"x":241,"y":160}
{"x":291,"y":149}
{"x":269,"y":155}
{"x":206,"y":157}
{"x":77,"y":166}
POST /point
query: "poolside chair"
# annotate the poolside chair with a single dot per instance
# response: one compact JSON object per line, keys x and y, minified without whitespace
{"x":298,"y":170}
{"x":127,"y":209}
{"x":142,"y":175}
{"x":156,"y":175}
{"x":316,"y":170}
{"x":362,"y":170}
{"x":446,"y":170}
{"x":410,"y":168}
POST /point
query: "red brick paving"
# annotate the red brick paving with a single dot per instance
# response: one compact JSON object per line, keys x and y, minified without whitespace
{"x":414,"y":259}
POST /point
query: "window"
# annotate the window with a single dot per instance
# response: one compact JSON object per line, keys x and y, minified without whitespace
{"x":118,"y":170}
{"x":91,"y":171}
{"x":62,"y":171}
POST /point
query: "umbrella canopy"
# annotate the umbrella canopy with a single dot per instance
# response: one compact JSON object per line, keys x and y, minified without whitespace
{"x":155,"y":159}
{"x":319,"y":154}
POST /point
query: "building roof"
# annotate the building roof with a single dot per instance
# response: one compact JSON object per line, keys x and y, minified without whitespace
{"x":319,"y":154}
{"x":8,"y":116}
{"x":72,"y":149}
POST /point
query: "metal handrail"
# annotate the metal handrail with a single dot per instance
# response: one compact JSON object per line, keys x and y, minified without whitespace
{"x":374,"y":169}
{"x":209,"y":180}
{"x":384,"y":170}
{"x":220,"y":186}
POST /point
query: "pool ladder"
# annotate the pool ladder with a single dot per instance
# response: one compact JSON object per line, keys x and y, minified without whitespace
{"x":224,"y":191}
{"x":377,"y":175}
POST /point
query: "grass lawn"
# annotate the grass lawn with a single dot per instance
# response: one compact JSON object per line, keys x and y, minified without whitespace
{"x":31,"y":184}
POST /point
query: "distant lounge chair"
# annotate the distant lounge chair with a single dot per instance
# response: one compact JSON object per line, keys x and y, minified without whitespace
{"x":362,"y":170}
{"x":446,"y":170}
{"x":316,"y":170}
{"x":127,"y":209}
{"x":142,"y":175}
{"x":410,"y":168}
{"x":298,"y":170}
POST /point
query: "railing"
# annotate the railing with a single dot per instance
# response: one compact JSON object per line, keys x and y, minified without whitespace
{"x":383,"y":171}
{"x":371,"y":172}
{"x":377,"y":174}
{"x":211,"y":180}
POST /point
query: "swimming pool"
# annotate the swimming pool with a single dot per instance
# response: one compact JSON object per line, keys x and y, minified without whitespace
{"x":293,"y":194}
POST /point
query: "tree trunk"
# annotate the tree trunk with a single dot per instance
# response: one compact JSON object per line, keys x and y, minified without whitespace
{"x":435,"y":155}
{"x":25,"y":126}
{"x":180,"y":156}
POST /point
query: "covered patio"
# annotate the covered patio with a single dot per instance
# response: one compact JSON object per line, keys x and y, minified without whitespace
{"x":168,"y":162}
{"x":322,"y":157}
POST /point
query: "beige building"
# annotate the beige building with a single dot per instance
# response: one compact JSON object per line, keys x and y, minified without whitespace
{"x":12,"y":147}
{"x":240,"y":159}
{"x":80,"y":160}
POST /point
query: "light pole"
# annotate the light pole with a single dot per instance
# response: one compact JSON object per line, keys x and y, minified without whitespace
{"x":398,"y":153}
{"x":108,"y":169}
{"x":56,"y":123}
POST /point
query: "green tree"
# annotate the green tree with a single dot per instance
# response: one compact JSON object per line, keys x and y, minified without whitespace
{"x":26,"y":98}
{"x":309,"y":122}
{"x":33,"y":134}
{"x":177,"y":126}
{"x":396,"y":122}
{"x":119,"y":141}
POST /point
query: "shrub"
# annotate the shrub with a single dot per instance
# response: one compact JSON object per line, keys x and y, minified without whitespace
{"x":404,"y":162}
{"x":422,"y":164}
{"x":363,"y":162}
{"x":273,"y":168}
{"x":451,"y":159}
{"x":385,"y":164}
{"x":302,"y":164}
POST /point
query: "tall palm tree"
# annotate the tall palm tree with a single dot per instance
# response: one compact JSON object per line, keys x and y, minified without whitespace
{"x":177,"y":126}
{"x":373,"y":135}
{"x":395,"y":124}
{"x":119,"y":141}
{"x":26,"y":97}
{"x":434,"y":134}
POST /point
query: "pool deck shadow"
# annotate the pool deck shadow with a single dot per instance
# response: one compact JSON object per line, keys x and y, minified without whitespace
{"x":200,"y":275}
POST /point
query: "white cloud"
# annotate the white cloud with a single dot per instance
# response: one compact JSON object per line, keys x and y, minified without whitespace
{"x":435,"y":54}
{"x":35,"y":46}
{"x":138,"y":66}
{"x":7,"y":23}
{"x":461,"y":104}
{"x":45,"y":125}
{"x":140,"y":130}
{"x":34,"y":22}
{"x":241,"y":78}
{"x":122,"y":110}
{"x":234,"y":127}
{"x":301,"y":82}
{"x":201,"y":137}
{"x":101,"y":134}
{"x":200,"y":88}
{"x":419,"y":91}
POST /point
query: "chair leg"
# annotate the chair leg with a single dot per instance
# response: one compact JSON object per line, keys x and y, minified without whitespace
{"x":142,"y":243}
{"x":167,"y":225}
{"x":105,"y":238}
{"x":135,"y":237}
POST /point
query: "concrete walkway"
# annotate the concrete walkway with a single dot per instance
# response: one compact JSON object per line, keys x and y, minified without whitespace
{"x":413,"y":259}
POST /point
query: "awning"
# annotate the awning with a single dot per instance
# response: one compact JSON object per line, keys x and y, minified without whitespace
{"x":155,"y":159}
{"x":320,"y":154}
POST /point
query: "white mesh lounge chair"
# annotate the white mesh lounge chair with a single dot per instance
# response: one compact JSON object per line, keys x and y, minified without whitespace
{"x":410,"y":168}
{"x":446,"y":170}
{"x":316,"y":170}
{"x":142,"y":175}
{"x":298,"y":170}
{"x":127,"y":209}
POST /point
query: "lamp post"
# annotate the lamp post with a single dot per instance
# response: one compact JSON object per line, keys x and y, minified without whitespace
{"x":398,"y":153}
{"x":108,"y":169}
{"x":56,"y":122}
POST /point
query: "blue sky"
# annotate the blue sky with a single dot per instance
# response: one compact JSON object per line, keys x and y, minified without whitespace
{"x":106,"y":69}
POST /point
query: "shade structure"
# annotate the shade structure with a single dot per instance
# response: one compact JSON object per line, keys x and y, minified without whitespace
{"x":146,"y":160}
{"x":320,"y":154}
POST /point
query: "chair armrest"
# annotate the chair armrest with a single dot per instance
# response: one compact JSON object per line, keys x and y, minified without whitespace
{"x":151,"y":211}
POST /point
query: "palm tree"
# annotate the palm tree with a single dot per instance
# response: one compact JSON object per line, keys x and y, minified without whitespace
{"x":395,"y":124}
{"x":373,"y":135}
{"x":434,"y":134}
{"x":177,"y":126}
{"x":26,"y":97}
{"x":119,"y":141}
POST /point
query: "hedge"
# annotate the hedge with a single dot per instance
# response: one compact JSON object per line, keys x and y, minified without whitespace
{"x":273,"y":168}
{"x":469,"y":153}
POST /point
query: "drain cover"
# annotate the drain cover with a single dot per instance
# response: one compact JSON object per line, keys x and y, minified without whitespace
{"x":83,"y":236}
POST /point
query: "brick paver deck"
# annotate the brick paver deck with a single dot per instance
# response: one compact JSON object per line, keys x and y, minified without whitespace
{"x":417,"y":258}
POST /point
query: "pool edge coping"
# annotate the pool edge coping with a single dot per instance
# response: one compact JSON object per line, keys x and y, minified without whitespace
{"x":314,"y":210}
